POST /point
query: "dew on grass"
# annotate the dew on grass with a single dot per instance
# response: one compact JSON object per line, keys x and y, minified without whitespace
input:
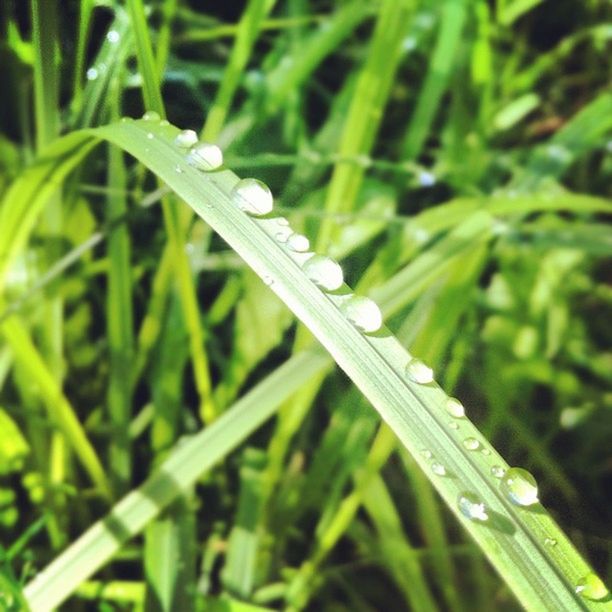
{"x":471,"y":444}
{"x":150,"y":136}
{"x":151,"y":116}
{"x":92,"y":73}
{"x":164,"y":123}
{"x":113,"y":36}
{"x":550,"y":542}
{"x":178,"y":169}
{"x":520,"y":487}
{"x":298,"y":243}
{"x":418,"y":372}
{"x":186,"y":139}
{"x":471,"y":507}
{"x":498,"y":471}
{"x":592,"y":587}
{"x":426,"y":178}
{"x":282,"y":236}
{"x":205,"y":156}
{"x":253,"y":197}
{"x":426,"y":453}
{"x":454,"y":407}
{"x":282,"y":221}
{"x":486,"y":452}
{"x":324,"y":272}
{"x":363,"y":313}
{"x":453,"y":425}
{"x":438,"y":469}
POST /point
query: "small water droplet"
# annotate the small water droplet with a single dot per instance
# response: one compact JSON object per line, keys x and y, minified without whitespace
{"x":268,"y":280}
{"x":438,"y":469}
{"x":186,"y":139}
{"x":253,"y":197}
{"x":178,"y":169}
{"x":498,"y":471}
{"x":363,"y":313}
{"x":298,"y":243}
{"x":426,"y":178}
{"x":426,"y":453}
{"x":418,"y":372}
{"x":455,"y":408}
{"x":124,"y":119}
{"x":151,"y":116}
{"x":453,"y":425}
{"x":520,"y":487}
{"x":113,"y":36}
{"x":164,"y":123}
{"x":592,"y":587}
{"x":324,"y":272}
{"x":150,"y":136}
{"x":92,"y":73}
{"x":283,"y":221}
{"x":486,"y":452}
{"x":550,"y":542}
{"x":471,"y":507}
{"x":281,"y":237}
{"x":471,"y":444}
{"x":205,"y":156}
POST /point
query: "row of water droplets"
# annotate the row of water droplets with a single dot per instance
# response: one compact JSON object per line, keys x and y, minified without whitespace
{"x":255,"y":199}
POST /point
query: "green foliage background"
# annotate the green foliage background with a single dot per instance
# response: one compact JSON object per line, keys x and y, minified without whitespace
{"x":388,"y":131}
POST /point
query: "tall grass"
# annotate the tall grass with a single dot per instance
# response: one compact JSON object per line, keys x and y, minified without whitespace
{"x":453,"y":158}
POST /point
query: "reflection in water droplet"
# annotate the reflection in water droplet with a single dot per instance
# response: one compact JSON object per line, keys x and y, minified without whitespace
{"x":455,"y":408}
{"x":498,"y":471}
{"x":418,"y":372}
{"x":298,"y":243}
{"x":592,"y":587}
{"x":186,"y":139}
{"x":363,"y":313}
{"x":151,"y":116}
{"x":471,"y":507}
{"x":205,"y":156}
{"x":471,"y":444}
{"x":324,"y":272}
{"x":520,"y":487}
{"x":438,"y":469}
{"x":253,"y":197}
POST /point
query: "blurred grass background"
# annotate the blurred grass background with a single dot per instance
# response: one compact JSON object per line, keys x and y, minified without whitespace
{"x":380,"y":127}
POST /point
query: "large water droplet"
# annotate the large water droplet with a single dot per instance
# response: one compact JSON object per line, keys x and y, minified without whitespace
{"x":520,"y":487}
{"x":324,"y":272}
{"x":253,"y":197}
{"x":205,"y":156}
{"x":455,"y":408}
{"x":363,"y":313}
{"x":418,"y":372}
{"x":592,"y":587}
{"x":186,"y":139}
{"x":151,"y":116}
{"x":498,"y":471}
{"x":438,"y":469}
{"x":471,"y":507}
{"x":471,"y":444}
{"x":298,"y":243}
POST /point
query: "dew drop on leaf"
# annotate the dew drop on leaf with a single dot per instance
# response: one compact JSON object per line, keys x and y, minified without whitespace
{"x":186,"y":139}
{"x":151,"y":116}
{"x":298,"y":243}
{"x":418,"y":372}
{"x":551,"y":542}
{"x":520,"y":487}
{"x":471,"y":444}
{"x":498,"y":471}
{"x":471,"y":507}
{"x":455,"y":408}
{"x":438,"y":469}
{"x":205,"y":156}
{"x":253,"y":197}
{"x":592,"y":587}
{"x":363,"y":313}
{"x":324,"y":272}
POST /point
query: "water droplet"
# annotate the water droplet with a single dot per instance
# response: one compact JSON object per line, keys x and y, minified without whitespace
{"x":592,"y":587}
{"x":281,"y":237}
{"x":298,"y":243}
{"x":426,"y":179}
{"x":486,"y":452}
{"x":471,"y":507}
{"x":150,"y":136}
{"x":453,"y":425}
{"x":455,"y":408}
{"x":426,"y":453}
{"x":267,"y":279}
{"x":498,"y":471}
{"x":92,"y":73}
{"x":438,"y":469}
{"x":253,"y":197}
{"x":324,"y":272}
{"x":418,"y":372}
{"x":178,"y":169}
{"x":164,"y":123}
{"x":471,"y":444}
{"x":186,"y":139}
{"x":283,"y":221}
{"x":205,"y":156}
{"x":550,"y":542}
{"x":113,"y":36}
{"x":124,"y":119}
{"x":520,"y":487}
{"x":151,"y":116}
{"x":363,"y":313}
